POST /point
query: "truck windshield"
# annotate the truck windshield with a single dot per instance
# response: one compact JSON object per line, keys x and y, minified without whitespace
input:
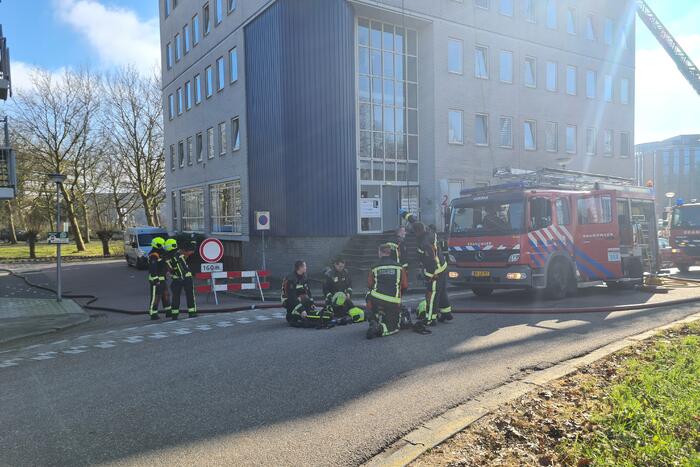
{"x":686,"y":217}
{"x":480,"y":219}
{"x":145,"y":239}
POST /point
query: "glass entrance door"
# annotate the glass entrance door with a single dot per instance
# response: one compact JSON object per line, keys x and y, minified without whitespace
{"x":370,"y":209}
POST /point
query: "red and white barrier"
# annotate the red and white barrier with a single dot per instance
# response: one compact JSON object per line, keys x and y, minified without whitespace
{"x":212,"y":286}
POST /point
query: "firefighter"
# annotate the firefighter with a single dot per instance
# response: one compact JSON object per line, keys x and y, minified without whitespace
{"x":434,"y":266}
{"x":344,"y":311}
{"x":156,"y":279}
{"x":337,"y":280}
{"x":294,"y":287}
{"x":306,"y":315}
{"x":398,"y":248}
{"x":387,"y":282}
{"x":181,"y":277}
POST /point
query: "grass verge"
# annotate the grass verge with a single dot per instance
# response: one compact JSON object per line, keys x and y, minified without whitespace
{"x":43,"y":250}
{"x":640,"y":406}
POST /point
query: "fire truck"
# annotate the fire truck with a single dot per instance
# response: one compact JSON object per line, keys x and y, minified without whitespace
{"x":553,"y":231}
{"x":685,"y":235}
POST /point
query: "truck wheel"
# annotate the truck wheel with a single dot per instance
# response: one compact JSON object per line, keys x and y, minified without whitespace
{"x":684,"y":268}
{"x":559,"y":280}
{"x":482,"y":291}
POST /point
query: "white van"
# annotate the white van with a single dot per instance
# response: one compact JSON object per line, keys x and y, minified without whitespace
{"x":137,"y":244}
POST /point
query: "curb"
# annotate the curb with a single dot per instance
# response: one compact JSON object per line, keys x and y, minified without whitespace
{"x":444,"y":426}
{"x":51,"y":330}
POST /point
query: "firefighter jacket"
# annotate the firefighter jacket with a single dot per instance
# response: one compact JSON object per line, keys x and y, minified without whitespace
{"x":431,"y":257}
{"x":398,"y":251}
{"x":387,"y":281}
{"x":294,"y":286}
{"x":335,"y":282}
{"x":177,"y":263}
{"x":156,"y":265}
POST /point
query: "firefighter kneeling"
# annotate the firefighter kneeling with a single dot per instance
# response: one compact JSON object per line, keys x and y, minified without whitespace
{"x":387,"y":282}
{"x":306,"y":315}
{"x":344,"y":311}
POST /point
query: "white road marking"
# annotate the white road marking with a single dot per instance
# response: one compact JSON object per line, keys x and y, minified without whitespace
{"x":76,"y":349}
{"x":159,"y":335}
{"x":106,"y":345}
{"x":243,"y":321}
{"x":45,"y":356}
{"x":224,"y":324}
{"x":85,"y":336}
{"x":59,"y":342}
{"x":262,"y":318}
{"x":131,"y":329}
{"x":279,"y":315}
{"x":182,"y":331}
{"x":133,"y":339}
{"x":9,"y":363}
{"x":203,"y":327}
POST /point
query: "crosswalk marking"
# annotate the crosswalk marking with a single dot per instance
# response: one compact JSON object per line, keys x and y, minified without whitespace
{"x":133,"y":339}
{"x":159,"y":335}
{"x":243,"y":321}
{"x":106,"y":345}
{"x":224,"y":324}
{"x":76,"y":349}
{"x":262,"y":318}
{"x":182,"y":331}
{"x":9,"y":363}
{"x":45,"y":356}
{"x":203,"y":327}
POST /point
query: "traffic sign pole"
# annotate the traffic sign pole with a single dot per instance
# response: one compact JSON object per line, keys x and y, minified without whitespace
{"x":58,"y":245}
{"x":264,"y":268}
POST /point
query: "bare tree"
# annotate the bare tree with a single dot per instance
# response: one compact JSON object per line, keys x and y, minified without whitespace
{"x":133,"y":121}
{"x":55,"y":122}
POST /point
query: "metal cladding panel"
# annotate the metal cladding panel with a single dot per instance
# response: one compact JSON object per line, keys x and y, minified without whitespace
{"x":301,"y":115}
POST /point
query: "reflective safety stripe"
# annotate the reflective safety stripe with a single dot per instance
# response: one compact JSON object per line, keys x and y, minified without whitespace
{"x":154,"y":297}
{"x":386,"y":298}
{"x":431,"y":304}
{"x":447,"y":309}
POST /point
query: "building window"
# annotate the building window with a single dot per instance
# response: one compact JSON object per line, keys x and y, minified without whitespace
{"x":232,"y":5}
{"x":530,"y":135}
{"x":196,"y":33}
{"x":173,"y":208}
{"x":591,"y":142}
{"x":210,"y":81}
{"x":505,"y":7}
{"x":455,"y":56}
{"x":171,"y":106}
{"x":571,"y":81}
{"x":225,"y":207}
{"x":221,"y":74}
{"x":625,"y":146}
{"x":199,"y":147}
{"x":482,"y":3}
{"x":166,"y":8}
{"x":530,"y":72}
{"x":551,"y":76}
{"x":192,"y":207}
{"x":591,"y":84}
{"x":571,"y":21}
{"x":529,"y":10}
{"x":571,"y":139}
{"x":219,"y":11}
{"x":178,"y":47}
{"x":608,"y":94}
{"x":552,"y":14}
{"x":233,"y":64}
{"x":455,"y":134}
{"x":506,"y":69}
{"x":169,"y":55}
{"x":222,"y":138}
{"x":551,"y":136}
{"x":179,"y":101}
{"x":210,"y":143}
{"x":172,"y":157}
{"x":608,"y":31}
{"x":235,"y":134}
{"x":189,"y":150}
{"x":197,"y":88}
{"x":206,"y":18}
{"x":181,"y":153}
{"x":188,"y":95}
{"x":481,"y":130}
{"x":625,"y":91}
{"x":506,"y":132}
{"x":590,"y":28}
{"x":608,"y":148}
{"x":186,"y":37}
{"x":481,"y":62}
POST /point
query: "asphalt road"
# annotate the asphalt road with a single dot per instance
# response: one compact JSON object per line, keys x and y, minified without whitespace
{"x":244,"y":389}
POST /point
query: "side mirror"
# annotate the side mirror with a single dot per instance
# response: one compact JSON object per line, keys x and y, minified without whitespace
{"x":133,"y":245}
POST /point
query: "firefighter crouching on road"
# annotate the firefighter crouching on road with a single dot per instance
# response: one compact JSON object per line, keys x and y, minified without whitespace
{"x":387,"y":282}
{"x":337,"y":288}
{"x":294,"y":287}
{"x":156,"y":279}
{"x":306,"y":315}
{"x":181,"y":277}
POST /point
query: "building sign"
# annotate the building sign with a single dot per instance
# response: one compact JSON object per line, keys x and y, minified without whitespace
{"x":262,"y":220}
{"x":370,"y":208}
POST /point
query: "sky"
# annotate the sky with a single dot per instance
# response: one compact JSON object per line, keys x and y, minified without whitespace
{"x":58,"y":34}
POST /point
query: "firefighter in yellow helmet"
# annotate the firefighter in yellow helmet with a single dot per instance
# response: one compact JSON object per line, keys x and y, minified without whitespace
{"x":181,"y":278}
{"x":156,"y":278}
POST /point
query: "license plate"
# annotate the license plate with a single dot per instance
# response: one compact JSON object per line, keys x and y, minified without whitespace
{"x":481,"y":274}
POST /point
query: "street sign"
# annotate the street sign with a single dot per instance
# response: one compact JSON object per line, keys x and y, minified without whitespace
{"x":212,"y":267}
{"x":211,"y":250}
{"x":58,"y":238}
{"x":262,"y":220}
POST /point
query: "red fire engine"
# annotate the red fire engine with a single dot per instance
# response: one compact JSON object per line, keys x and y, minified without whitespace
{"x":552,"y":230}
{"x":685,"y":235}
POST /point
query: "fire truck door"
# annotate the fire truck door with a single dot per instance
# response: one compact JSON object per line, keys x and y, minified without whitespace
{"x":596,"y":241}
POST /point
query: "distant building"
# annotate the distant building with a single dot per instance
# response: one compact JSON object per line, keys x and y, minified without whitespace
{"x":673,"y":165}
{"x":335,"y":114}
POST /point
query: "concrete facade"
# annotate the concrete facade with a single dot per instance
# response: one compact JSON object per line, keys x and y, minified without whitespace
{"x":448,"y":33}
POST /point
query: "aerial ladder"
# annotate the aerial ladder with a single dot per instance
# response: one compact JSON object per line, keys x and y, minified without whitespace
{"x":669,"y":43}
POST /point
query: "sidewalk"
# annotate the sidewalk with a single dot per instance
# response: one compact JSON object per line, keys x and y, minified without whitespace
{"x":26,"y":317}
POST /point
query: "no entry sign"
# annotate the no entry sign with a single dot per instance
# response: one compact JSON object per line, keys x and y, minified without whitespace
{"x":211,"y":250}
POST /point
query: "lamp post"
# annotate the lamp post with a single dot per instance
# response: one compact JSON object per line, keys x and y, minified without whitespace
{"x":58,"y":179}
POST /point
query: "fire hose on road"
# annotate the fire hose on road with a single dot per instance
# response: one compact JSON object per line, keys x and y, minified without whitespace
{"x":659,"y":280}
